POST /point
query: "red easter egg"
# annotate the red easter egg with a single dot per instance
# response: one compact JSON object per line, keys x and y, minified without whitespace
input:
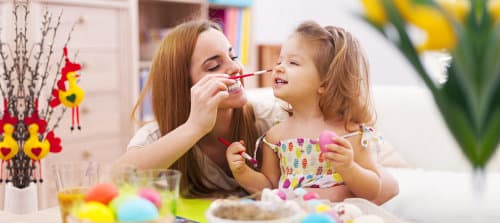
{"x":102,"y":193}
{"x":326,"y":138}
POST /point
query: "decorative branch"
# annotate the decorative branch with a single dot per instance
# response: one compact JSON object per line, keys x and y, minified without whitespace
{"x":26,"y":74}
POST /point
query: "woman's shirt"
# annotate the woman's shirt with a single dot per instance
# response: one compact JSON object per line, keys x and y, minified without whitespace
{"x":267,"y":112}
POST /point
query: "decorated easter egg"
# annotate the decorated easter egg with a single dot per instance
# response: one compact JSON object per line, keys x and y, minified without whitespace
{"x":310,"y":196}
{"x":151,"y":195}
{"x":347,"y":212}
{"x":95,"y":212}
{"x":137,"y":209}
{"x":368,"y":219}
{"x":325,"y":138}
{"x":318,"y":218}
{"x":102,"y":193}
{"x":115,"y":203}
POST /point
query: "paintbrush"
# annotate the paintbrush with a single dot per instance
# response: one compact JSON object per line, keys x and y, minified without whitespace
{"x":251,"y":74}
{"x":242,"y":153}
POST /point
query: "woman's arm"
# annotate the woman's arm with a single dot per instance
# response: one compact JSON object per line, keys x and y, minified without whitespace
{"x":206,"y":95}
{"x":389,"y":187}
{"x":163,"y":152}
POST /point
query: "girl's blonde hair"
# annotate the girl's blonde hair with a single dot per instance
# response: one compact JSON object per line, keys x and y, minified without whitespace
{"x":170,"y":82}
{"x":343,"y":70}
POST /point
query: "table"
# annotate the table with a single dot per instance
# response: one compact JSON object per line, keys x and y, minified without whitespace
{"x":189,"y":208}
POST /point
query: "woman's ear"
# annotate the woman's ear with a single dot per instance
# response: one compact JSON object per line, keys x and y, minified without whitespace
{"x":321,"y":89}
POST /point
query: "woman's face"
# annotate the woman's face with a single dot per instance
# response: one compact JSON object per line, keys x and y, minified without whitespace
{"x":213,"y":54}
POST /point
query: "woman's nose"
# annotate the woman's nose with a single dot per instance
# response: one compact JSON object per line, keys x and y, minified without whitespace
{"x":234,"y":68}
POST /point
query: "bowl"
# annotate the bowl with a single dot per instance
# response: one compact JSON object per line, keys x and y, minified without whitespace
{"x":241,"y":211}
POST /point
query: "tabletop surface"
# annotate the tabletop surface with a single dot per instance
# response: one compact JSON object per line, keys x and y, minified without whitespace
{"x":52,"y":215}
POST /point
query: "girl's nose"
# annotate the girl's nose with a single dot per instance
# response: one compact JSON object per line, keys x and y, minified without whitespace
{"x":278,"y":69}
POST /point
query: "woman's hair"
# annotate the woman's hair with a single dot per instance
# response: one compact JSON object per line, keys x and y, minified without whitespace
{"x":343,"y":70}
{"x":170,"y":82}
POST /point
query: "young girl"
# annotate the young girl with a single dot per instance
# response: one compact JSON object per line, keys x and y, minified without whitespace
{"x":323,"y":75}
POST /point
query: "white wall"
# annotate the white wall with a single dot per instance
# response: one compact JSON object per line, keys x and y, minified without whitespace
{"x":274,"y":20}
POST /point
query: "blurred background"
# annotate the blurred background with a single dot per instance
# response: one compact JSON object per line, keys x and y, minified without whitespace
{"x":116,"y":40}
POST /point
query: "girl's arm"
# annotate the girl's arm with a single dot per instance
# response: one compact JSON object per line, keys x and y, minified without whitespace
{"x":206,"y":95}
{"x":251,"y":180}
{"x":356,"y":166}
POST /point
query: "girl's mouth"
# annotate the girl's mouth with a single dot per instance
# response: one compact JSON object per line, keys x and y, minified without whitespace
{"x":279,"y":81}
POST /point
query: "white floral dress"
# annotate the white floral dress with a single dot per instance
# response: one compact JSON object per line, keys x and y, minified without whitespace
{"x":302,"y":163}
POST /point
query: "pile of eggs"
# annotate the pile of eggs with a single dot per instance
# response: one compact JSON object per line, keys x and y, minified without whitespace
{"x":105,"y":203}
{"x":320,"y":211}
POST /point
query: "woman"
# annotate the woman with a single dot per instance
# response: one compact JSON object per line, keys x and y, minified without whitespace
{"x":194,"y":103}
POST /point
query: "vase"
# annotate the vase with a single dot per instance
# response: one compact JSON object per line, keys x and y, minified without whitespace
{"x":20,"y":200}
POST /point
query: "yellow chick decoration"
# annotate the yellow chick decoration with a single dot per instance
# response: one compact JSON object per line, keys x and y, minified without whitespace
{"x":71,"y":97}
{"x":34,"y":148}
{"x":8,"y":147}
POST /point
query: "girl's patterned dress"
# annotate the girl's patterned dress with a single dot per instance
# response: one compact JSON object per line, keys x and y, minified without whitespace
{"x":302,"y":163}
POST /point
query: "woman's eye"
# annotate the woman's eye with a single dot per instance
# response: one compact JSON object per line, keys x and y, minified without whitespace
{"x":293,"y":63}
{"x":234,"y":58}
{"x":214,"y":68}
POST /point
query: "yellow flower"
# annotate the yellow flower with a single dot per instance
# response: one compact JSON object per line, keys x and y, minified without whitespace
{"x":440,"y":33}
{"x":494,"y":8}
{"x":375,"y":11}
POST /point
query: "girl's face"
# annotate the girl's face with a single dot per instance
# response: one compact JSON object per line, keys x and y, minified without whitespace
{"x":295,"y":76}
{"x":214,"y":55}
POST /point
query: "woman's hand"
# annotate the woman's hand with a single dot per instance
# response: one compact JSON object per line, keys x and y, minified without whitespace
{"x":235,"y":160}
{"x":206,"y":96}
{"x":340,"y":154}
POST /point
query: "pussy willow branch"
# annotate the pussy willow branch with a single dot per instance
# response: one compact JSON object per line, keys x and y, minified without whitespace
{"x":41,"y":46}
{"x":51,"y":52}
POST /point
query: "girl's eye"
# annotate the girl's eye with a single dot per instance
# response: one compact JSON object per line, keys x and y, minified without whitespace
{"x":293,"y":63}
{"x":234,"y":58}
{"x":214,"y":68}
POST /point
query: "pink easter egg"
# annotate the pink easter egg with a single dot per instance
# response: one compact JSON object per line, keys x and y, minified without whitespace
{"x":102,"y":193}
{"x":310,"y":196}
{"x":326,"y":138}
{"x":281,"y":194}
{"x":151,"y":195}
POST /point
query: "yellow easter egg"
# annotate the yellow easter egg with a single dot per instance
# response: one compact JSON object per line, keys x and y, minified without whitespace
{"x":95,"y":212}
{"x":320,"y":208}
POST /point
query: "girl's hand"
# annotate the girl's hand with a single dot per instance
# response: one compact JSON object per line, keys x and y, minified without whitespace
{"x":206,"y":96}
{"x":235,"y":160}
{"x":340,"y":154}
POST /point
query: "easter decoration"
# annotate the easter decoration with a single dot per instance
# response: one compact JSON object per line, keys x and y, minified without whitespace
{"x":467,"y":33}
{"x":30,"y":113}
{"x":106,"y":202}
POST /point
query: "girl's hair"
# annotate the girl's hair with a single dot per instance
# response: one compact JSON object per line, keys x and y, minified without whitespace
{"x":343,"y":70}
{"x":170,"y":82}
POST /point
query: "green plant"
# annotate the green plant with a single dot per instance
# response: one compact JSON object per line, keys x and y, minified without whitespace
{"x":469,"y":32}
